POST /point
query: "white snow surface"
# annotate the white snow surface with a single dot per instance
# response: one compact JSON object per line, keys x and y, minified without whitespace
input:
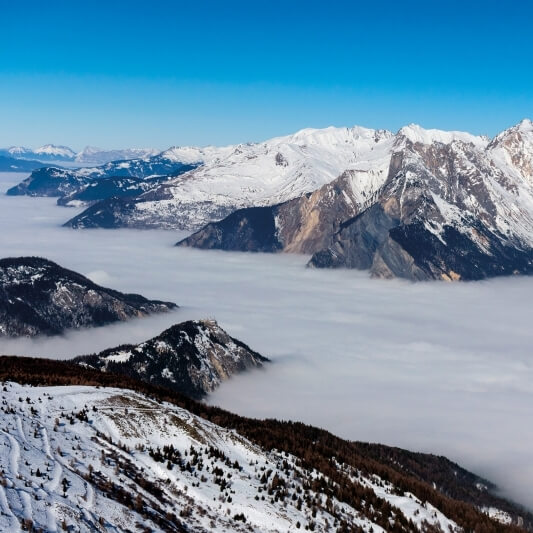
{"x":56,"y":464}
{"x":416,"y":133}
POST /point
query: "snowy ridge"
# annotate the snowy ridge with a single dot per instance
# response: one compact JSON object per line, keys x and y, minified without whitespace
{"x":417,"y":134}
{"x":114,"y":460}
{"x":259,"y":174}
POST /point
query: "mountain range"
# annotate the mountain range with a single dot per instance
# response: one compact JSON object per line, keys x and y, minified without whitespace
{"x":418,"y":204}
{"x":437,"y":205}
{"x":90,"y":155}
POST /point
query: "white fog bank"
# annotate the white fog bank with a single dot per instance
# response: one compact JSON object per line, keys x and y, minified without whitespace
{"x":446,"y":368}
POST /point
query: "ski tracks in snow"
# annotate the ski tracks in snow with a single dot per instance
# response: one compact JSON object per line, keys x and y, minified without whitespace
{"x":6,"y":510}
{"x":25,"y":499}
{"x":20,"y":430}
{"x":53,"y":483}
{"x":14,"y":454}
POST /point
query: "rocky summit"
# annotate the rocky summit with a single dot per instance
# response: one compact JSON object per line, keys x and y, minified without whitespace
{"x":193,"y":358}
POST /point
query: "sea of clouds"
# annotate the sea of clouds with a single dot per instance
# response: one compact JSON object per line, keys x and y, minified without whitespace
{"x":443,"y":368}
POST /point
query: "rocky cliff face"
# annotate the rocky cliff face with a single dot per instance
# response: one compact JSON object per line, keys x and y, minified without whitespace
{"x":193,"y":358}
{"x":38,"y":296}
{"x":446,"y":211}
{"x":303,"y":225}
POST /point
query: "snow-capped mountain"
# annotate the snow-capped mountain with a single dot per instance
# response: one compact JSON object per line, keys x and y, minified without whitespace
{"x":193,"y":358}
{"x":17,"y":151}
{"x":435,"y":205}
{"x":108,"y":458}
{"x":446,"y":211}
{"x":38,"y":296}
{"x":52,"y":152}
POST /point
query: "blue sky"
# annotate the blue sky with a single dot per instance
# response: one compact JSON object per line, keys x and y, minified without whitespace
{"x":159,"y":73}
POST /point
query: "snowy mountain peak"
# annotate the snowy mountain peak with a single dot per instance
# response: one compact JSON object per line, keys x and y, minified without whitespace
{"x":525,"y":125}
{"x":418,"y":134}
{"x":56,"y":150}
{"x":18,"y":150}
{"x":512,"y":150}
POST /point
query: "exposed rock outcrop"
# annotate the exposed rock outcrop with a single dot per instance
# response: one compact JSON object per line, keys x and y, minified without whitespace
{"x":193,"y":358}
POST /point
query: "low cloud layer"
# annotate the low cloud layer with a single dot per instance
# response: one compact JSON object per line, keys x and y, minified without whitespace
{"x":429,"y":367}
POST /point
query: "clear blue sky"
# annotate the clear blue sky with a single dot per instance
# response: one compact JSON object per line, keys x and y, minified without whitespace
{"x":158,"y":73}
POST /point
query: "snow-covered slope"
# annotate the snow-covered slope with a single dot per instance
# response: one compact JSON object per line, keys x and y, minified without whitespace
{"x":82,"y":458}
